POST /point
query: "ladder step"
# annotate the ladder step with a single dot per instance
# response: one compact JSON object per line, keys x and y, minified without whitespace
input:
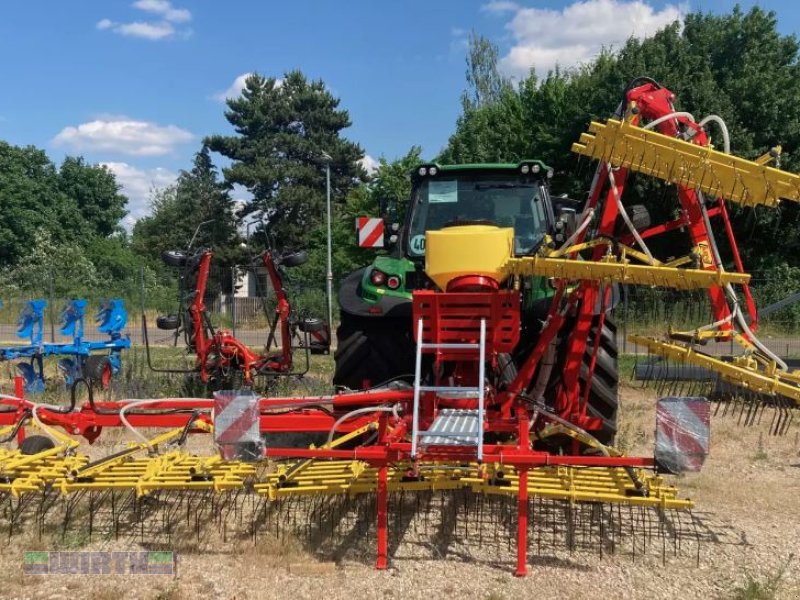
{"x":429,"y":346}
{"x":453,"y":427}
{"x":448,"y":389}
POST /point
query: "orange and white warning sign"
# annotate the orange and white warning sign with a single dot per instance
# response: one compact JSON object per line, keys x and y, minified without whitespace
{"x":370,"y":232}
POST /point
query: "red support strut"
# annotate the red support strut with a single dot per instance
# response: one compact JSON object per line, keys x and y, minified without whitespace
{"x":383,"y":544}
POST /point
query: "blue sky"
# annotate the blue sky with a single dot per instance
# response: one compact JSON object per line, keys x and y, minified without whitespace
{"x":135,"y":84}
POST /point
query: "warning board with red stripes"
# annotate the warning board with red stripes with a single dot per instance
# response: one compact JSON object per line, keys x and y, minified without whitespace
{"x":236,"y":421}
{"x":683,"y":431}
{"x":370,"y":232}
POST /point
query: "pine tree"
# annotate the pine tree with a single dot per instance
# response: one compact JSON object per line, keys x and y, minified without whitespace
{"x":283,"y":129}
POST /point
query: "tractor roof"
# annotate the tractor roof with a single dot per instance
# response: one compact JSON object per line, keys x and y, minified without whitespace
{"x":499,"y":167}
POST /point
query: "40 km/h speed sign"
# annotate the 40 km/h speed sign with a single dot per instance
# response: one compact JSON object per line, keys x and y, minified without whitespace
{"x":370,"y":232}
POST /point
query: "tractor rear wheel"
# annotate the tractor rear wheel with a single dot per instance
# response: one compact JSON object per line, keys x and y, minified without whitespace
{"x":373,"y":350}
{"x":603,"y":392}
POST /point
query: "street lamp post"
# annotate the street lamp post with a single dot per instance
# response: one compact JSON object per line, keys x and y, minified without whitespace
{"x":327,"y":158}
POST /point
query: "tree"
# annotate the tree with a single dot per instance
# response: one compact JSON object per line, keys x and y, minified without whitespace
{"x":96,"y":192}
{"x":197,"y":197}
{"x":391,"y":180}
{"x":282,"y":130}
{"x":31,"y":201}
{"x":485,"y":84}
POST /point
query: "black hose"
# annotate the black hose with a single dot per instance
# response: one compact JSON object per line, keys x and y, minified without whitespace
{"x":642,"y":78}
{"x":186,"y":428}
{"x":25,"y":415}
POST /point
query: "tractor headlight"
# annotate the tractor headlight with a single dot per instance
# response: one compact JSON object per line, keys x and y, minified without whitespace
{"x":423,"y":171}
{"x":525,"y":169}
{"x":536,"y":168}
{"x":433,"y":171}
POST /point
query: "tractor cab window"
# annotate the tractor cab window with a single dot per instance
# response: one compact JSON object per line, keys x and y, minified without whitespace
{"x":502,"y":201}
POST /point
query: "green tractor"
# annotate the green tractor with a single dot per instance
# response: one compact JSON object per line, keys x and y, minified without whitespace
{"x":375,"y":343}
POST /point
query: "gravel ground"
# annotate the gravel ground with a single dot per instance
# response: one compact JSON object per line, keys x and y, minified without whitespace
{"x":747,"y":498}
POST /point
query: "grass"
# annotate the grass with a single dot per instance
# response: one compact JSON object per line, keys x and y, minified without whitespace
{"x":764,"y":587}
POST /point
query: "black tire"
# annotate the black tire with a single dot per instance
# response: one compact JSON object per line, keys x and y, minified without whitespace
{"x":604,"y":391}
{"x":168,"y":322}
{"x":311,"y":325}
{"x":174,"y":258}
{"x":294,"y":259}
{"x":33,"y":444}
{"x":603,"y":400}
{"x":97,"y":368}
{"x":373,"y":350}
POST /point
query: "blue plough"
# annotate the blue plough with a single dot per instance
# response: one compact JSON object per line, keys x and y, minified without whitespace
{"x":99,"y":360}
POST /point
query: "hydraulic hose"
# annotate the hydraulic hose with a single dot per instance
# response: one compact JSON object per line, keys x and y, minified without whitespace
{"x":624,"y":214}
{"x":359,"y":411}
{"x":726,"y":138}
{"x":667,"y":117}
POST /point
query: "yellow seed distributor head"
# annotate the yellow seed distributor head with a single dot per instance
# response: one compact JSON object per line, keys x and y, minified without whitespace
{"x":467,"y":250}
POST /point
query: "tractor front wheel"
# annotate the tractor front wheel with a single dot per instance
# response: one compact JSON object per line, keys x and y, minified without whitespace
{"x":373,"y":350}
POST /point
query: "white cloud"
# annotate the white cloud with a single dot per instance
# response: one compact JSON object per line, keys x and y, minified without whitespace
{"x":123,"y":136}
{"x":152,"y":30}
{"x":137,"y":185}
{"x":234,"y":89}
{"x":544,"y":38}
{"x":149,"y":31}
{"x":165,"y":10}
{"x":369,"y":164}
{"x":500,"y":6}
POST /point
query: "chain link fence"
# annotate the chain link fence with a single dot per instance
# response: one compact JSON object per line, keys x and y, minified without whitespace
{"x":653,"y":311}
{"x":247,"y":306}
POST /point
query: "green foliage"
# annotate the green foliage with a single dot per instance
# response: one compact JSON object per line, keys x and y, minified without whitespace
{"x":283,"y":128}
{"x":198,"y":197}
{"x":762,"y":588}
{"x":96,"y":192}
{"x":485,"y":84}
{"x":31,"y":201}
{"x":391,"y":180}
{"x":51,"y":265}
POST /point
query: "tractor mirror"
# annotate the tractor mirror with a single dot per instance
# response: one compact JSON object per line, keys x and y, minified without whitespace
{"x":566,"y":222}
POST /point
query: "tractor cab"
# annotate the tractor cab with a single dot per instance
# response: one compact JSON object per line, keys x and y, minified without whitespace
{"x":514,"y":196}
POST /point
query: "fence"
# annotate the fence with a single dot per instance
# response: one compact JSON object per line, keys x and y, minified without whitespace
{"x":647,"y":311}
{"x":651,"y":311}
{"x":247,"y":316}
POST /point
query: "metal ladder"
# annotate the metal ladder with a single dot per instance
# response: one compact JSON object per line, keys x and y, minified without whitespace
{"x":453,"y":427}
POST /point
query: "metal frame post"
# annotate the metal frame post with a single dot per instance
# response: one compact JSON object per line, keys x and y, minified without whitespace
{"x":383,"y":542}
{"x":417,"y":383}
{"x":481,"y":390}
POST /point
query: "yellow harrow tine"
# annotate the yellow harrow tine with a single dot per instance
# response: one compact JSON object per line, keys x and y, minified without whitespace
{"x":614,"y":271}
{"x":747,"y":182}
{"x":743,"y":374}
{"x":594,"y":484}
